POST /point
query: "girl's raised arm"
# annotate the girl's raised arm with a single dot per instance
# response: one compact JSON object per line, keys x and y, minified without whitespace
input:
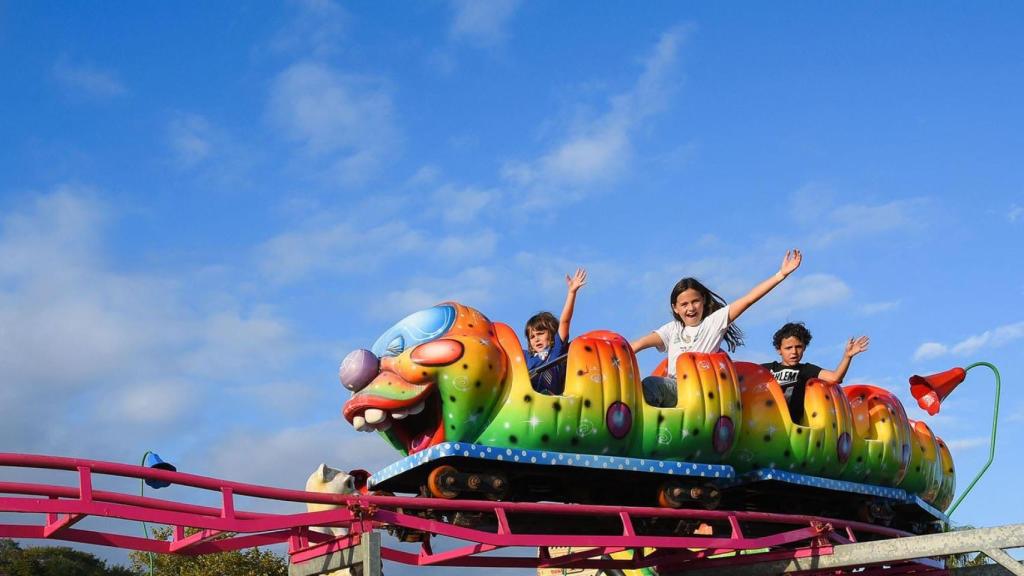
{"x":789,"y":263}
{"x":577,"y":281}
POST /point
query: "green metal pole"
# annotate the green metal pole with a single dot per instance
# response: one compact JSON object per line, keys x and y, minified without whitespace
{"x":142,"y":493}
{"x":991,"y":442}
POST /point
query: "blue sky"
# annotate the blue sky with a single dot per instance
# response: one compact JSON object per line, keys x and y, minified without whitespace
{"x":204,"y":208}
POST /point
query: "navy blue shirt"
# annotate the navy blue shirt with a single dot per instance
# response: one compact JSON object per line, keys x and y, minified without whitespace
{"x":550,"y":380}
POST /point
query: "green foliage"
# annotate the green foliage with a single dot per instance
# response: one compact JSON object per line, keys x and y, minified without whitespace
{"x":966,"y":559}
{"x":53,"y":561}
{"x":252,"y":562}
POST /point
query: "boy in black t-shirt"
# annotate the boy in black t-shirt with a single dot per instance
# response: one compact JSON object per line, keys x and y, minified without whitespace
{"x":790,"y":342}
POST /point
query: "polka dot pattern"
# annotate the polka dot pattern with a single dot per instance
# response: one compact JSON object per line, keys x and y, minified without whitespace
{"x":476,"y":451}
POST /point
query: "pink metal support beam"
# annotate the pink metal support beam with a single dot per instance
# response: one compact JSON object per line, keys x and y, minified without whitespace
{"x":503,"y":525}
{"x":182,"y":542}
{"x":61,"y":522}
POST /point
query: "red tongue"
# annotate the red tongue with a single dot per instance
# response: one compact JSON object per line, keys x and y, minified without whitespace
{"x":419,"y":443}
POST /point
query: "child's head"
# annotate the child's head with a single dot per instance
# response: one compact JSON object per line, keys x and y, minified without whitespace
{"x":540,"y":331}
{"x":691,"y":302}
{"x":791,"y":341}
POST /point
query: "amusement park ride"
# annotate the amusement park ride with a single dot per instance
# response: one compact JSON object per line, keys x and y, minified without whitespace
{"x":593,"y":478}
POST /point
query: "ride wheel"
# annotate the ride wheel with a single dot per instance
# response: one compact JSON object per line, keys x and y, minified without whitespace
{"x":671,"y":494}
{"x":875,"y":512}
{"x":492,"y":486}
{"x":675,"y":494}
{"x":710,"y":497}
{"x":441,"y":482}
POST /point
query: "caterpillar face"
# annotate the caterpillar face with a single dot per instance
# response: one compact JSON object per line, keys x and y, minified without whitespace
{"x":432,"y":377}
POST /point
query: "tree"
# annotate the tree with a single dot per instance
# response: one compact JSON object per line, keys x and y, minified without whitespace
{"x":967,"y":558}
{"x":252,"y":562}
{"x":53,"y":561}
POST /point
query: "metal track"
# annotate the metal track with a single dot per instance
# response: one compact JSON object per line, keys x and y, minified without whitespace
{"x":694,"y":541}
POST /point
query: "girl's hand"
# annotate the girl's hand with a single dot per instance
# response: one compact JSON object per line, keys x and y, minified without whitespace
{"x":854,"y":347}
{"x":577,"y":281}
{"x":791,"y":262}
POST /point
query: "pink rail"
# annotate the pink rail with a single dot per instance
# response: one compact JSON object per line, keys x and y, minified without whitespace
{"x":493,"y":526}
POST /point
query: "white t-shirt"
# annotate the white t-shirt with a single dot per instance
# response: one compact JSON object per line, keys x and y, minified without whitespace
{"x":705,"y":337}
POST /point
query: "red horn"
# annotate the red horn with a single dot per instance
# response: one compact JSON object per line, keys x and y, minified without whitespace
{"x":931,"y":390}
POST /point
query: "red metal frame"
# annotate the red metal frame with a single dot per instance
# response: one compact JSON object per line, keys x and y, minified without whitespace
{"x":786,"y":536}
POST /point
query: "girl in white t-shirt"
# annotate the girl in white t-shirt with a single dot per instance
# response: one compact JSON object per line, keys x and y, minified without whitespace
{"x":702,"y":321}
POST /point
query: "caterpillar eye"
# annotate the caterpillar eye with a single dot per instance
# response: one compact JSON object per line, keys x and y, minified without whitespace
{"x":437,"y":353}
{"x":396,"y":346}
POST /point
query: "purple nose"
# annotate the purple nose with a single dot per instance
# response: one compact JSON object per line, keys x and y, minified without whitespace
{"x":358,"y":369}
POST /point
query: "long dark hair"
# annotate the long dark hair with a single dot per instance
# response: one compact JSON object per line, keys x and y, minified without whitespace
{"x":712,"y":302}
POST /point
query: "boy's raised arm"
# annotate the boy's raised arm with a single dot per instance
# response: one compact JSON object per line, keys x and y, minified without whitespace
{"x":853,"y":347}
{"x":789,"y":263}
{"x":574,"y":283}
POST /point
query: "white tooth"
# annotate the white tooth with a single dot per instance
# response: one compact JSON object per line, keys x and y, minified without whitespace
{"x":399,"y":415}
{"x":359,"y":423}
{"x":416,"y":409}
{"x":374,"y":415}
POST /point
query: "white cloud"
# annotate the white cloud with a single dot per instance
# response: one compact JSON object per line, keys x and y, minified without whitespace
{"x":226,"y":343}
{"x":317,"y":28}
{"x":873,"y":308}
{"x":806,"y":292}
{"x":482,"y":23}
{"x":150,"y":403}
{"x":91,"y":354}
{"x":340,"y":247}
{"x":425,"y":175}
{"x":876,"y":218}
{"x":474,"y":287}
{"x":343,"y":122}
{"x":599,"y":152}
{"x":460,"y":205}
{"x":64,"y":320}
{"x":856,"y":220}
{"x":1015,"y":213}
{"x":190,"y":137}
{"x":964,"y":444}
{"x":988,"y":339}
{"x":287,"y":398}
{"x":930,"y":350}
{"x":811,"y":202}
{"x":814,"y":206}
{"x":87,"y":80}
{"x":469,"y":247}
{"x":286,"y":457}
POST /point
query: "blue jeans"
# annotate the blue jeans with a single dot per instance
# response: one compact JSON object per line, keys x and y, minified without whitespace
{"x":660,"y":391}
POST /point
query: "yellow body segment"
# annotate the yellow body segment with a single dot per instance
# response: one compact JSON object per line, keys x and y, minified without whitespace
{"x":764,"y":439}
{"x":924,"y":476}
{"x":948,"y":487}
{"x":824,"y":434}
{"x":881,"y":443}
{"x":601,"y":371}
{"x":703,"y":425}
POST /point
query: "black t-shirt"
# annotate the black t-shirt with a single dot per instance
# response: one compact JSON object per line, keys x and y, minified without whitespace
{"x":793,"y":380}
